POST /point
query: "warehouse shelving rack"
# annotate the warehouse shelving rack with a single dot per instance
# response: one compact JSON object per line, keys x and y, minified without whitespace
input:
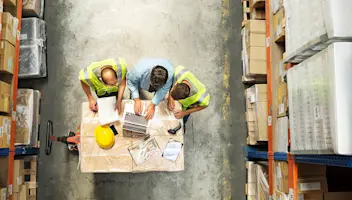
{"x":13,"y":151}
{"x":254,"y":153}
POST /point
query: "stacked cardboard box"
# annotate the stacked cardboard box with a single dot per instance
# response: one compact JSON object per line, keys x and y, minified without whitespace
{"x":251,"y":186}
{"x":33,"y":8}
{"x":5,"y":95}
{"x":312,"y":182}
{"x":5,"y":131}
{"x":257,"y":187}
{"x":254,"y":48}
{"x":9,"y":27}
{"x":256,"y":113}
{"x":257,"y":9}
{"x":18,"y":177}
{"x":279,"y":24}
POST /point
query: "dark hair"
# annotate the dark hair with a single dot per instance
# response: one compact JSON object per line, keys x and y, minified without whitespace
{"x":106,"y":70}
{"x":158,"y":77}
{"x":180,"y":91}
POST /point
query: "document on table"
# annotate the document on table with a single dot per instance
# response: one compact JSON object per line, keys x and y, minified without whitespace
{"x":106,"y":110}
{"x":173,"y":148}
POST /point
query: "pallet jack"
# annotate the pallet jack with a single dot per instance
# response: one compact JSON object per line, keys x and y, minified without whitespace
{"x":71,"y":140}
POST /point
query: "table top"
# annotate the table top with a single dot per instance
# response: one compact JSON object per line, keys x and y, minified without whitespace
{"x":118,"y":158}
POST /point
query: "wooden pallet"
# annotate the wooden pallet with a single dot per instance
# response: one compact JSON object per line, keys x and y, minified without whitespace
{"x":246,"y":12}
{"x":257,"y":3}
{"x":30,"y":172}
{"x":253,"y":80}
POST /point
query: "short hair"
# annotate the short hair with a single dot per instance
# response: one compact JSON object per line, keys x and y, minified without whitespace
{"x":180,"y":91}
{"x":107,"y":70}
{"x":158,"y":77}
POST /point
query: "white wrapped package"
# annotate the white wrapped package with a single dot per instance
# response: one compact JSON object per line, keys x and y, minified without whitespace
{"x":312,"y":25}
{"x":321,"y":102}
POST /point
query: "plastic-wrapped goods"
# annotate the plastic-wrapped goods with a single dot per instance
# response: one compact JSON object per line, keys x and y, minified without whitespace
{"x":27,"y":116}
{"x":281,"y":135}
{"x":312,"y":25}
{"x":32,"y":29}
{"x":33,"y":8}
{"x":32,"y":49}
{"x":320,"y":102}
{"x":122,"y":157}
{"x":32,"y":61}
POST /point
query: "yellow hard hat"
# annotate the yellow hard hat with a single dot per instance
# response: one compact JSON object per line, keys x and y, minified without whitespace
{"x":104,"y":136}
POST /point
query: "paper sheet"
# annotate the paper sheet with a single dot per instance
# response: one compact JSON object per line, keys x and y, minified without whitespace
{"x":107,"y":113}
{"x":172,"y":150}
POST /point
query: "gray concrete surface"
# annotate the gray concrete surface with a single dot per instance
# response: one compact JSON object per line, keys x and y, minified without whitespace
{"x":202,"y":35}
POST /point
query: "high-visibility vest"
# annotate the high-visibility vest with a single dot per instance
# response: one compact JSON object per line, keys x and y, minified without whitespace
{"x":91,"y":75}
{"x":201,"y":97}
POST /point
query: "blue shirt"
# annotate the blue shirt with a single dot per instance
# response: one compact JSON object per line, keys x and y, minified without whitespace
{"x":139,"y":77}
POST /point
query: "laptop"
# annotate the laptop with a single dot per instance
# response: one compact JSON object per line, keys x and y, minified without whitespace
{"x":133,"y":122}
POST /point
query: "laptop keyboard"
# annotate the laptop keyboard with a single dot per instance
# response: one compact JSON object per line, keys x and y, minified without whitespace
{"x":135,"y":119}
{"x":134,"y":128}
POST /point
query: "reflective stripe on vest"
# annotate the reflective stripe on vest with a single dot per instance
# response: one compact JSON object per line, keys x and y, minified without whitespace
{"x":202,"y":97}
{"x":92,"y":75}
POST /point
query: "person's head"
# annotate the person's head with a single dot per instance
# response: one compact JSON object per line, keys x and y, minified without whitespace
{"x":158,"y":77}
{"x":109,"y":76}
{"x":180,"y":91}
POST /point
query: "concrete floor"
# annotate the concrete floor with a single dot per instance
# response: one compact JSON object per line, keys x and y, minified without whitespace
{"x":202,"y":35}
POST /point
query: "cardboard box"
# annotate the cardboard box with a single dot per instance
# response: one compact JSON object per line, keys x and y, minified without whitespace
{"x":18,"y":175}
{"x":256,"y":53}
{"x":257,"y":93}
{"x":3,"y":193}
{"x":254,"y":39}
{"x":310,"y":170}
{"x":282,"y":100}
{"x":5,"y":95}
{"x":257,"y":14}
{"x":281,"y":176}
{"x":9,"y":28}
{"x":277,"y":4}
{"x":257,"y":67}
{"x":256,"y":26}
{"x":312,"y":184}
{"x":278,"y":20}
{"x":23,"y":195}
{"x":7,"y":54}
{"x":338,"y":196}
{"x":311,"y":196}
{"x":5,"y":131}
{"x":10,"y":2}
{"x":4,"y":162}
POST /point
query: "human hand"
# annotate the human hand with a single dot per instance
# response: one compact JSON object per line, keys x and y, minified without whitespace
{"x":93,"y":106}
{"x":171,"y":104}
{"x":137,"y":106}
{"x":149,"y":112}
{"x":179,"y":114}
{"x":118,"y":107}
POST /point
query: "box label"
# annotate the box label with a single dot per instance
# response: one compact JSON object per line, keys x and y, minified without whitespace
{"x":10,"y":189}
{"x":310,"y":186}
{"x":19,"y":180}
{"x":301,"y":197}
{"x":10,"y":64}
{"x":267,"y":41}
{"x":282,"y":109}
{"x":252,"y":98}
{"x":1,"y":131}
{"x":3,"y":193}
{"x":269,"y":120}
{"x":290,"y":194}
{"x":23,"y":37}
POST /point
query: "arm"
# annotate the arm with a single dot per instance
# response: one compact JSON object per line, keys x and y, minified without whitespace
{"x":86,"y":90}
{"x":92,"y":103}
{"x":119,"y":96}
{"x":171,"y":102}
{"x":133,"y":84}
{"x":122,"y":87}
{"x":195,"y":109}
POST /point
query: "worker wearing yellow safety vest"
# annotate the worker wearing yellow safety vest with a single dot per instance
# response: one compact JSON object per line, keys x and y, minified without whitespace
{"x":106,"y":78}
{"x":189,"y":91}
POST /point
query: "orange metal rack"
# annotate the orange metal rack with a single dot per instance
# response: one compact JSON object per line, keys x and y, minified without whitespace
{"x":12,"y":149}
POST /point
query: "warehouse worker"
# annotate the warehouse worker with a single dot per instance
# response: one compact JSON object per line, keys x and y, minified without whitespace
{"x":189,"y":91}
{"x":153,"y":75}
{"x":106,"y":78}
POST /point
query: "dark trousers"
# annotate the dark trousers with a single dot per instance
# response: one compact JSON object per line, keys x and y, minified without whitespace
{"x":112,"y":94}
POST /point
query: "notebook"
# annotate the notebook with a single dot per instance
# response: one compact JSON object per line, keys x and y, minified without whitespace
{"x":106,"y":110}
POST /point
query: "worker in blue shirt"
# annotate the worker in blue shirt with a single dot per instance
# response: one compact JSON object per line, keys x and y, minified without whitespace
{"x":153,"y":75}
